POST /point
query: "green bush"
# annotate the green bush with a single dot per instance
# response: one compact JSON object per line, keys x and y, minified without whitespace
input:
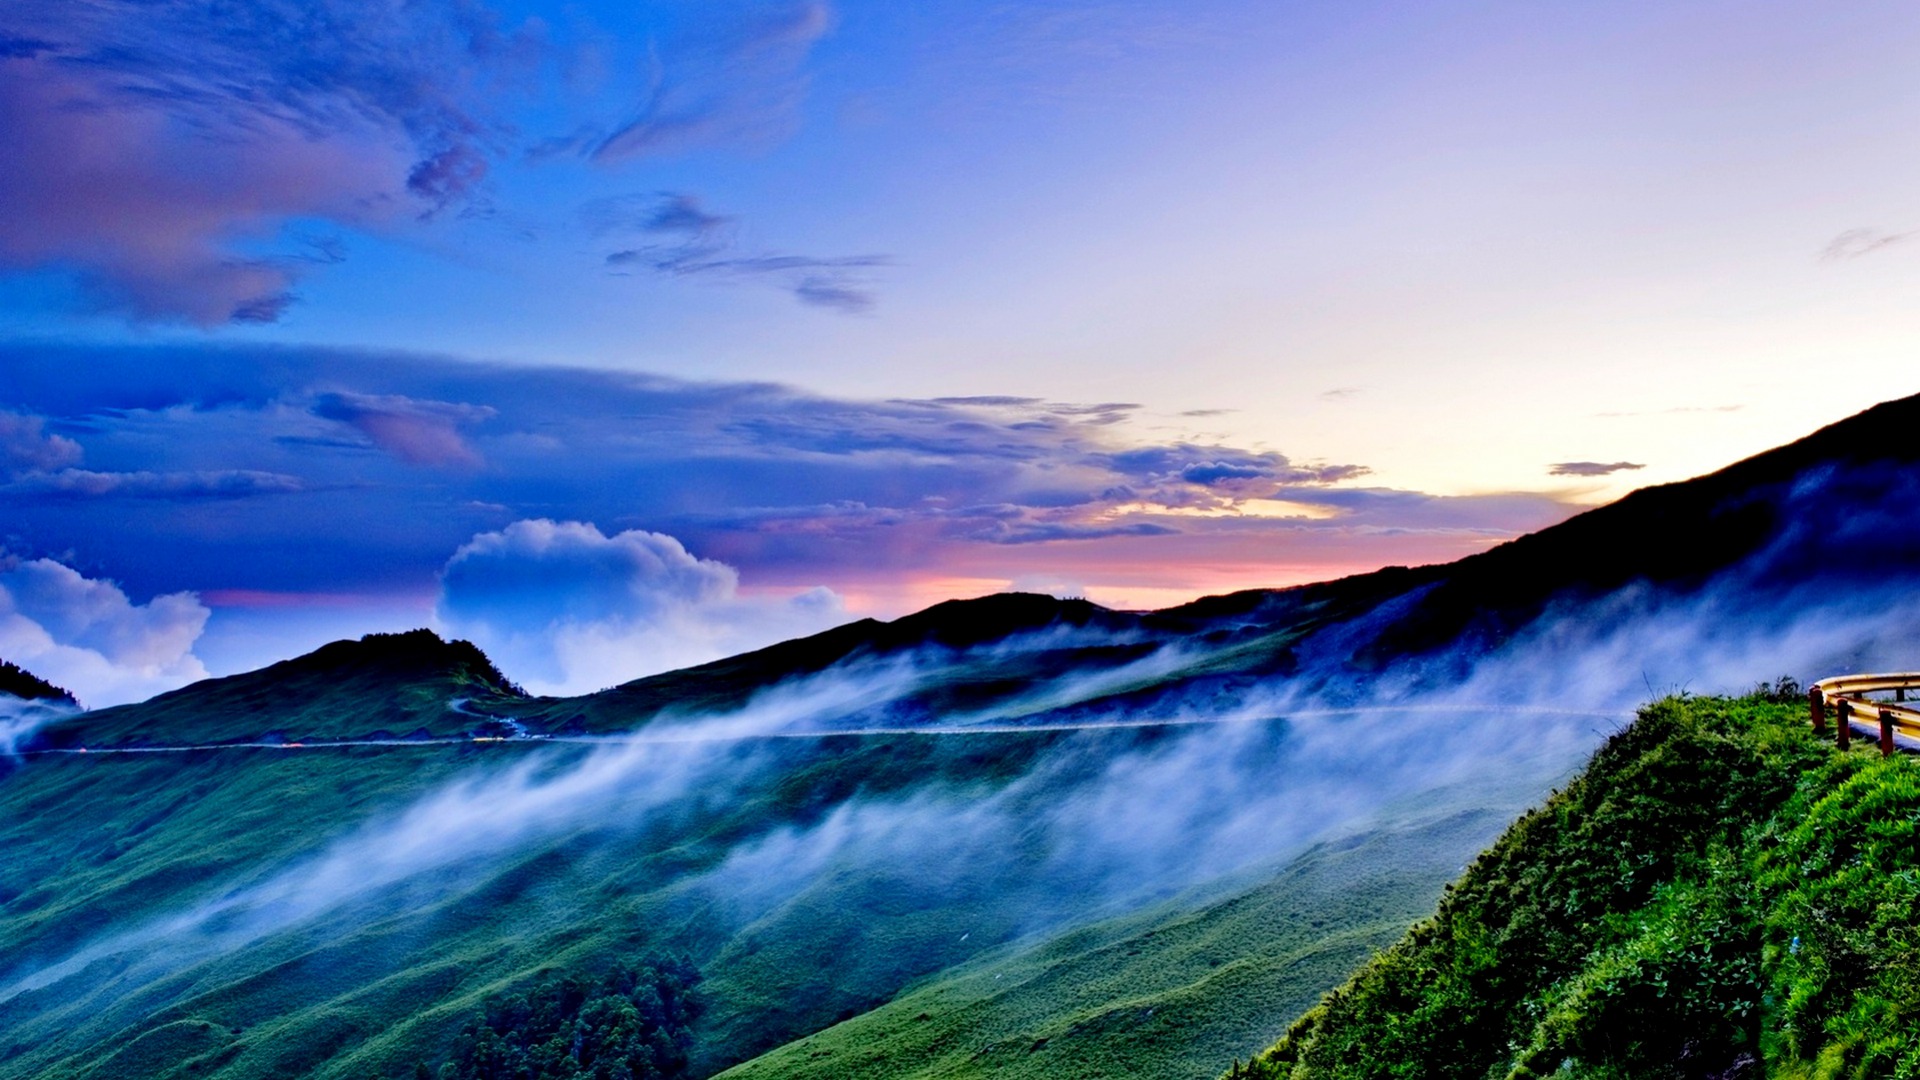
{"x":1720,"y":895}
{"x":631,"y":1025}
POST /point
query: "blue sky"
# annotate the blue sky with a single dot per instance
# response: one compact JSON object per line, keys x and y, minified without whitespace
{"x":814,"y":310}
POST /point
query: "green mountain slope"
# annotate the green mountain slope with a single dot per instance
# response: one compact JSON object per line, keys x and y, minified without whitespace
{"x":1721,"y":894}
{"x":1167,"y":992}
{"x":276,"y":904}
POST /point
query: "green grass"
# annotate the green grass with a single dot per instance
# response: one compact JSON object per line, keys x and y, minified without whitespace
{"x":1164,"y":993}
{"x":1720,"y":894}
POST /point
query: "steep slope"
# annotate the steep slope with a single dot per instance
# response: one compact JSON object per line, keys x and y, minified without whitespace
{"x":1721,"y":894}
{"x":1830,"y":506}
{"x":1163,"y":992}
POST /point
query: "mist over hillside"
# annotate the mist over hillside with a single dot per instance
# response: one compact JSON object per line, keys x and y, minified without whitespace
{"x":325,"y":866}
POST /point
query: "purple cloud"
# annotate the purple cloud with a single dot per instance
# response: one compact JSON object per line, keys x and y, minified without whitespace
{"x":149,"y":144}
{"x":416,"y":432}
{"x":26,"y":446}
{"x":704,"y":247}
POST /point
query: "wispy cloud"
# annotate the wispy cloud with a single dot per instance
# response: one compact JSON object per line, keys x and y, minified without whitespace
{"x":166,"y":156}
{"x":146,"y":484}
{"x":147,"y":143}
{"x":728,"y":82}
{"x":1855,"y":243}
{"x":1677,"y":410}
{"x":1592,"y":468}
{"x":37,"y":463}
{"x":672,"y":234}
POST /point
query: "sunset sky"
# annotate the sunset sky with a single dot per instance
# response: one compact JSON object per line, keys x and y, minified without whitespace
{"x":622,"y":336}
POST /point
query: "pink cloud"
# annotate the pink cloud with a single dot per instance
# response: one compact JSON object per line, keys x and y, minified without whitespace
{"x":416,"y":432}
{"x":25,"y":445}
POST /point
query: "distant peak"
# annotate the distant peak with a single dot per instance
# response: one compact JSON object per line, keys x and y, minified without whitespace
{"x":22,"y":683}
{"x":409,"y":652}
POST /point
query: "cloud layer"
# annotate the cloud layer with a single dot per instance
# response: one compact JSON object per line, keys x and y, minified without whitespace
{"x":341,"y":471}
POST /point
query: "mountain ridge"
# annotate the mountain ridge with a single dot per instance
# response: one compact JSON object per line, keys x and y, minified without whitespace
{"x":1674,"y":536}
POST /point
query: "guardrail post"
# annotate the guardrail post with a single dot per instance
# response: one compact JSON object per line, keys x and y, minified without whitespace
{"x":1886,"y":732}
{"x":1843,"y":727}
{"x":1817,"y":709}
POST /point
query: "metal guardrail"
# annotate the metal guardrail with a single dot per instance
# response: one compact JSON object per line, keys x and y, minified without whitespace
{"x":1847,"y":694}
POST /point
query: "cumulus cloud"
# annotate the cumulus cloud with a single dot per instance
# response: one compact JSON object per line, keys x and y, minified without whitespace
{"x":87,"y":635}
{"x":566,"y":608}
{"x":1592,"y":468}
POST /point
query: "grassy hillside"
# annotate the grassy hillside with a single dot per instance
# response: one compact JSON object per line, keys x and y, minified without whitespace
{"x":351,"y":966}
{"x":1721,"y":894}
{"x":1162,"y":993}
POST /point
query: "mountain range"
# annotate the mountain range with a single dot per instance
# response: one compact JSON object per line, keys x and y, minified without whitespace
{"x":1015,"y":835}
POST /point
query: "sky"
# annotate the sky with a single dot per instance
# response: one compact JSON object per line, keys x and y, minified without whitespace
{"x":617,"y":337}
